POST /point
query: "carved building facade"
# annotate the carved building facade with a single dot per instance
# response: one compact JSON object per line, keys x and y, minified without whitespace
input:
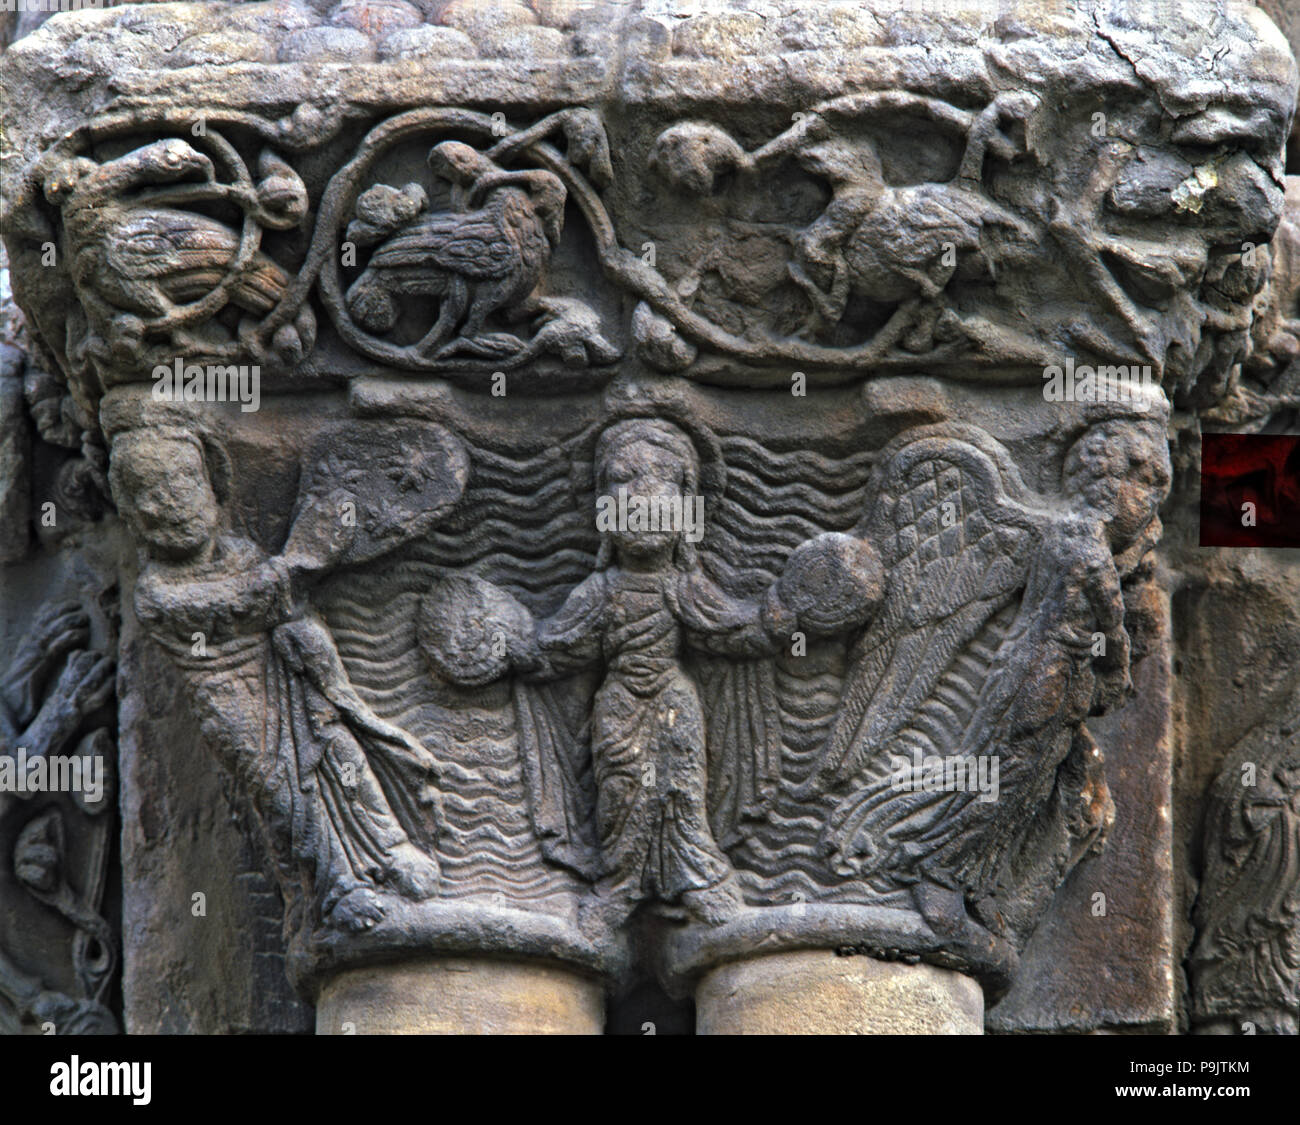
{"x":552,"y":516}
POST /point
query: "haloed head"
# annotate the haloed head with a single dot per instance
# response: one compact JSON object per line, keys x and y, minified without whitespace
{"x":653,"y":463}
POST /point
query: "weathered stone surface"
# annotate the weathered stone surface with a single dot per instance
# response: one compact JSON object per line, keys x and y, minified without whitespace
{"x":617,"y":504}
{"x":814,"y":992}
{"x":60,"y":950}
{"x":212,"y":965}
{"x":1105,"y":955}
{"x":460,"y":997}
{"x":1238,"y":790}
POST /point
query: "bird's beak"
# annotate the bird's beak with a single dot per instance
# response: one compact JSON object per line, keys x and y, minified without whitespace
{"x":198,"y":162}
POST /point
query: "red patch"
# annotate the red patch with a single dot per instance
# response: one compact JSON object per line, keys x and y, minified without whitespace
{"x":1250,"y":490}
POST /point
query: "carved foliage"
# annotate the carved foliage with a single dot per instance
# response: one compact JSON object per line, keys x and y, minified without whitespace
{"x":58,"y":765}
{"x":869,"y":258}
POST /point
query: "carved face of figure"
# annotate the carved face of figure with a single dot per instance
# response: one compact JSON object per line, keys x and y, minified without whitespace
{"x":651,"y":478}
{"x":1277,"y":793}
{"x":162,"y":490}
{"x":1122,"y":473}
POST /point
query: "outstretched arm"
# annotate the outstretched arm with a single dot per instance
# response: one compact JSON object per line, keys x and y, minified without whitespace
{"x":59,"y":628}
{"x":569,"y":639}
{"x":262,"y":592}
{"x":83,"y":686}
{"x":717,"y":623}
{"x":263,"y":589}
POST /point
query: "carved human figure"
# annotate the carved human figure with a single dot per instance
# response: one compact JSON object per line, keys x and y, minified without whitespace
{"x":342,"y":796}
{"x":645,"y":604}
{"x":1245,"y":963}
{"x":1066,"y":656}
{"x":1061,"y":656}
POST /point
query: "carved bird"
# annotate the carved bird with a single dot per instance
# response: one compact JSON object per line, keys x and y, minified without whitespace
{"x":131,"y":261}
{"x":486,"y":256}
{"x":886,"y":244}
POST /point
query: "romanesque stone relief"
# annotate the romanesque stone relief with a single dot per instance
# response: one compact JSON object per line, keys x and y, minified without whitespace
{"x":707,"y":720}
{"x":483,"y":255}
{"x":655,"y":541}
{"x":1266,"y":394}
{"x":145,"y":266}
{"x":40,"y":408}
{"x":446,"y":242}
{"x":1060,"y":654}
{"x":969,"y":609}
{"x":646,"y":602}
{"x":348,"y":802}
{"x":155,"y":275}
{"x":1245,"y":965}
{"x":58,"y":955}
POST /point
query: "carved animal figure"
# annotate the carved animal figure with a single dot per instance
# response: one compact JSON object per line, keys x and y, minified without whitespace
{"x":486,"y":257}
{"x":887,"y":244}
{"x":132,"y":263}
{"x":892,"y":245}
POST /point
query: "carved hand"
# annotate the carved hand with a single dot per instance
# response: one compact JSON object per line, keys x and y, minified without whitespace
{"x":83,"y":686}
{"x":322,"y":533}
{"x":85,"y":683}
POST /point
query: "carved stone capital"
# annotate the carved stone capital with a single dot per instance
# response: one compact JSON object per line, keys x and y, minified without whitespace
{"x":676,"y":488}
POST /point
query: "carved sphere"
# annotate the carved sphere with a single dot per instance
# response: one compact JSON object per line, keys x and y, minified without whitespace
{"x":467,"y":629}
{"x":833,"y":582}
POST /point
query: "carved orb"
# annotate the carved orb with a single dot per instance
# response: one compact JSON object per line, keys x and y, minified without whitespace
{"x":833,"y":582}
{"x":468,"y":629}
